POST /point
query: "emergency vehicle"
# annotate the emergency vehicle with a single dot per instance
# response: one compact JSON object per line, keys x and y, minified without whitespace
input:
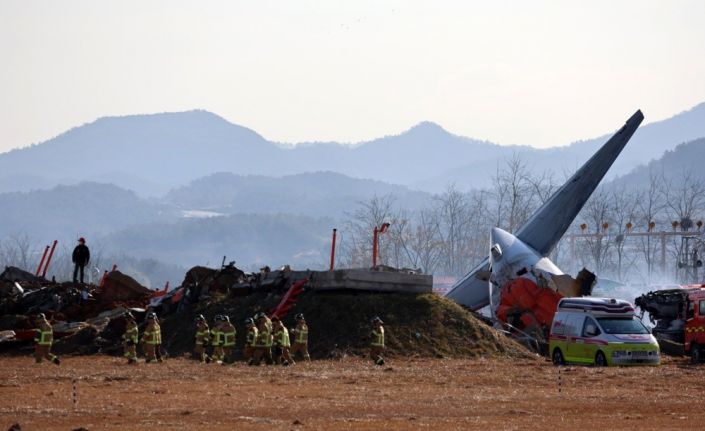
{"x":679,"y":316}
{"x":602,"y":332}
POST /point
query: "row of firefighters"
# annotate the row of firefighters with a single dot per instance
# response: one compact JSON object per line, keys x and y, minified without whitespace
{"x":266,"y":340}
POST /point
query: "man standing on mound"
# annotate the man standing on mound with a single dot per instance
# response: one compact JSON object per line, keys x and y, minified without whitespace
{"x":80,"y":257}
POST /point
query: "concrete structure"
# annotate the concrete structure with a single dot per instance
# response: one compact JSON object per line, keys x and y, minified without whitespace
{"x":366,"y":280}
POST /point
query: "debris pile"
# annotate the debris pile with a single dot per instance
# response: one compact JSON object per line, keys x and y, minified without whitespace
{"x":76,"y":311}
{"x":90,"y":320}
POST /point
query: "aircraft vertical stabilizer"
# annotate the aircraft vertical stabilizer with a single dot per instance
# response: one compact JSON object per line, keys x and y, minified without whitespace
{"x":547,"y":225}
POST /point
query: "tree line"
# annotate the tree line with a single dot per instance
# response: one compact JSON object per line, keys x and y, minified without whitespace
{"x":451,"y":234}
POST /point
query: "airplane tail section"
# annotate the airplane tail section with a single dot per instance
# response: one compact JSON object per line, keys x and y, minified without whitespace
{"x":550,"y":222}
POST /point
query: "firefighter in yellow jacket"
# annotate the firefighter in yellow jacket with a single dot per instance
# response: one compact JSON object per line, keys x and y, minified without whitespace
{"x":300,"y":336}
{"x":130,"y":338}
{"x":250,"y":339}
{"x":263,"y":344}
{"x":203,"y":336}
{"x":228,"y":333}
{"x":158,"y":347}
{"x":377,"y":341}
{"x":42,"y":341}
{"x":282,"y":345}
{"x":262,"y":317}
{"x":217,"y":339}
{"x":151,"y":338}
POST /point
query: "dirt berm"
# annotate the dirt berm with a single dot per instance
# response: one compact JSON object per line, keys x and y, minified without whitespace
{"x":425,"y":325}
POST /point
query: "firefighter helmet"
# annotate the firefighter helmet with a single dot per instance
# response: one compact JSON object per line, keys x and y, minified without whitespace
{"x":300,"y":316}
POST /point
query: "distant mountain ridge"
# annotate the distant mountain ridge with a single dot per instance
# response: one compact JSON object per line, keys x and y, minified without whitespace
{"x":152,"y":154}
{"x":313,"y":194}
{"x":687,"y":158}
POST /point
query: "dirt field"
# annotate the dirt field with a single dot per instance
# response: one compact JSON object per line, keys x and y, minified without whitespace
{"x":348,"y":394}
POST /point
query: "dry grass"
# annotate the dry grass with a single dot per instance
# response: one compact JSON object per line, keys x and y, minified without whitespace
{"x":348,"y":394}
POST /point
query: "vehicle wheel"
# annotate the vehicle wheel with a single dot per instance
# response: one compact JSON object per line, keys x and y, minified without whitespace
{"x":558,"y":357}
{"x":696,"y":354}
{"x":600,"y":360}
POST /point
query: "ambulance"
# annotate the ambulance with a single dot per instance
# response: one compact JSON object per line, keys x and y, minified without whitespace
{"x":602,"y":332}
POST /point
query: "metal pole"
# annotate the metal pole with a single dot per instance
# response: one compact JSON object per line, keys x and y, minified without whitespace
{"x":51,"y":253}
{"x":332,"y":251}
{"x":41,"y":262}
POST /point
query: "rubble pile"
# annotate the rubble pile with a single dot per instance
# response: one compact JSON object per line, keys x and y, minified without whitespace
{"x":90,"y":320}
{"x":79,"y":313}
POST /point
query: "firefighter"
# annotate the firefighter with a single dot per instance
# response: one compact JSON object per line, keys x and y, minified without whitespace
{"x":261,"y":316}
{"x":282,"y":344}
{"x":203,"y":335}
{"x":130,"y":338}
{"x":250,"y":339}
{"x":158,"y":347}
{"x":43,"y":340}
{"x":263,"y":344}
{"x":377,"y":341}
{"x":151,"y":338}
{"x":229,"y":332}
{"x":217,"y":339}
{"x":300,"y":334}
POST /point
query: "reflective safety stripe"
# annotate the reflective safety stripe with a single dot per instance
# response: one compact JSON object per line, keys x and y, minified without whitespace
{"x":151,"y":337}
{"x":252,"y":337}
{"x":202,"y":336}
{"x":378,"y":338}
{"x":282,"y":337}
{"x":217,"y":337}
{"x":45,"y":337}
{"x":132,"y":334}
{"x":264,"y":339}
{"x":302,"y":334}
{"x":229,"y":338}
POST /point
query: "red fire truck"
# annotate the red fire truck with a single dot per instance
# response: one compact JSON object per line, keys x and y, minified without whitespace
{"x":679,"y":316}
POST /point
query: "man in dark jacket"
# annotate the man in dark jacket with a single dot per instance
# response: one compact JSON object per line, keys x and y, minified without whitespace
{"x":80,"y":258}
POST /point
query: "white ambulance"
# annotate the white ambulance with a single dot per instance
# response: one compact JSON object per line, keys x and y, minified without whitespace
{"x":600,"y":331}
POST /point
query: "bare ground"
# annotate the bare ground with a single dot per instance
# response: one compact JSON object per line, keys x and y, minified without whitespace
{"x":348,"y":394}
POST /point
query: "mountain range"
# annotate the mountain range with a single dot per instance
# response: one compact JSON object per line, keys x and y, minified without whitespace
{"x":153,"y":154}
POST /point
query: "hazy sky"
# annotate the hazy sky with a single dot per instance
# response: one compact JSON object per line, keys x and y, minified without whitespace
{"x":541,"y":73}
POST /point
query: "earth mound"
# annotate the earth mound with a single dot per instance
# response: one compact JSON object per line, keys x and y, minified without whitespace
{"x":424,"y":325}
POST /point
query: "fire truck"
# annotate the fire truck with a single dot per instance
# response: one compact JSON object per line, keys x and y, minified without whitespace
{"x":679,"y":316}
